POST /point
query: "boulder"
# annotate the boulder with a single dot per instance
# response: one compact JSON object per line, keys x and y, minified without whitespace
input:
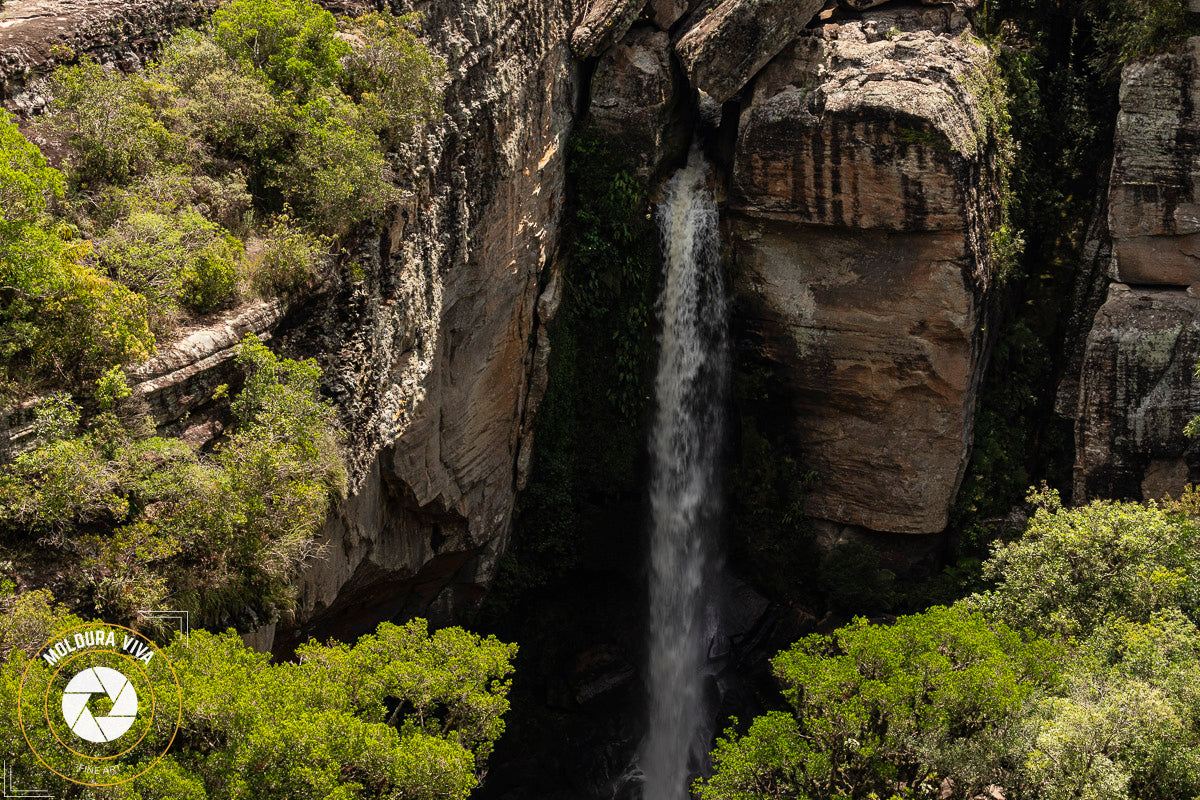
{"x":1154,"y":192}
{"x":731,"y":43}
{"x":1136,"y":394}
{"x":860,"y":203}
{"x":605,"y":22}
{"x":635,"y":100}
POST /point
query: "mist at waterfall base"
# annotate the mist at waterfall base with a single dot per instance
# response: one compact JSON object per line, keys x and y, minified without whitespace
{"x":686,"y":440}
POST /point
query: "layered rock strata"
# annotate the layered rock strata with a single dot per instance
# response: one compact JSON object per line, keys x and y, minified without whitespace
{"x":1136,"y":389}
{"x":862,"y":204}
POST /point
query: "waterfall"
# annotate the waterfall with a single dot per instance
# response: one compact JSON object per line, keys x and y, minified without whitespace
{"x":685,"y":498}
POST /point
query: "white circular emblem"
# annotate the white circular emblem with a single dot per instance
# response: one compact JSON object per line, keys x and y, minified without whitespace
{"x":79,"y":717}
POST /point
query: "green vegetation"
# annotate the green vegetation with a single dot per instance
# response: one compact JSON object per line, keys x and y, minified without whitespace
{"x":59,"y":317}
{"x":402,"y":713}
{"x":995,"y":134}
{"x":265,"y":133}
{"x":147,"y":518}
{"x":1076,"y":676}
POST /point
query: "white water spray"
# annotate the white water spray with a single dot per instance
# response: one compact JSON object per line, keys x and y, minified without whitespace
{"x":693,"y":373}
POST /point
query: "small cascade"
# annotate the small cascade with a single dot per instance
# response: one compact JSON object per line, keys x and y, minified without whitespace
{"x":685,"y":446}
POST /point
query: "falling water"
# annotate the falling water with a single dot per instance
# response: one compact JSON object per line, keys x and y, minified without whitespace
{"x":693,"y":368}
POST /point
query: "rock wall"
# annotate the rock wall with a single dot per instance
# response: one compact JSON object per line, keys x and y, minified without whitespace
{"x":860,"y":206}
{"x":438,"y":357}
{"x":1135,"y":389}
{"x":36,"y":35}
{"x":432,"y":342}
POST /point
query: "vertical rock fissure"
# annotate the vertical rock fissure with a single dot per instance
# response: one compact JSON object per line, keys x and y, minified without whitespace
{"x":685,"y":445}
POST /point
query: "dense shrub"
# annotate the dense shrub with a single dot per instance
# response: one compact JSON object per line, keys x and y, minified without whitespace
{"x":285,"y":259}
{"x":150,"y":516}
{"x":59,"y":319}
{"x":267,"y":108}
{"x":392,"y":75}
{"x":1096,"y":697}
{"x":337,"y":175}
{"x":176,"y":259}
{"x":875,"y":708}
{"x":113,"y":121}
{"x":1074,"y":569}
{"x":294,"y":43}
{"x":402,"y":713}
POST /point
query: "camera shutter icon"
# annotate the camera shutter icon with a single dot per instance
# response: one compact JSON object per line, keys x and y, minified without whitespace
{"x":79,"y":691}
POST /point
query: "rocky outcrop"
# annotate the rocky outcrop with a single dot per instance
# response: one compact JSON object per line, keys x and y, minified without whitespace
{"x":430,"y":330}
{"x":1154,"y":193}
{"x":862,"y":203}
{"x":437,"y":356}
{"x":1137,"y":394}
{"x":637,"y":100}
{"x":37,"y":35}
{"x":606,"y":22}
{"x":731,"y":43}
{"x":1135,"y":389}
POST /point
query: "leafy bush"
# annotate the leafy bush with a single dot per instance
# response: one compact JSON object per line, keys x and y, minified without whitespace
{"x":286,"y":259}
{"x":876,"y":708}
{"x":176,"y":259}
{"x":151,"y":516}
{"x":113,"y":121}
{"x":337,"y":175}
{"x":1136,"y":29}
{"x":1074,"y":569}
{"x":402,"y":713}
{"x":1096,"y":697}
{"x":293,"y":42}
{"x":59,"y":319}
{"x":390,"y":73}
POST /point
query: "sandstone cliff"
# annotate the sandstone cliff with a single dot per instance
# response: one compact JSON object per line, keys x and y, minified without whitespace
{"x":861,"y":204}
{"x":1135,"y":386}
{"x":433,"y":349}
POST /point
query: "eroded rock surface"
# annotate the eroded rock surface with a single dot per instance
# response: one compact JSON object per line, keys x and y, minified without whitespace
{"x":1138,"y":392}
{"x":1135,"y":390}
{"x":435,"y":354}
{"x":36,"y":35}
{"x":636,"y":99}
{"x":861,"y":216}
{"x":731,"y":43}
{"x":1154,"y":203}
{"x":605,"y":22}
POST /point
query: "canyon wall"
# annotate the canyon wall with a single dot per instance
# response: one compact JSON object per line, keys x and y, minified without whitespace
{"x":861,"y":208}
{"x":1135,"y":390}
{"x":431,"y":330}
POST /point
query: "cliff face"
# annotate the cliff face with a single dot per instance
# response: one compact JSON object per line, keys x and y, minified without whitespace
{"x":438,"y":357}
{"x":1136,"y":388}
{"x":433,"y":348}
{"x":860,"y":213}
